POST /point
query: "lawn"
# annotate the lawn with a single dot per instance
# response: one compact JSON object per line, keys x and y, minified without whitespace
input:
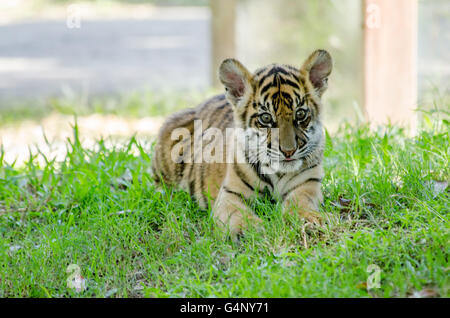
{"x":98,"y":209}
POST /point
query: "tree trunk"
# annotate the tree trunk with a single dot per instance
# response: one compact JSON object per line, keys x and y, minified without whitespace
{"x":223,"y":17}
{"x":390,"y":57}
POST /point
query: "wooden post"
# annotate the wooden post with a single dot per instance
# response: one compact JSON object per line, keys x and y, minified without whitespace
{"x":390,"y":57}
{"x":223,"y":17}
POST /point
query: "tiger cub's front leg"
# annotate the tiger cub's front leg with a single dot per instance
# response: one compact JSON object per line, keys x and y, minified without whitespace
{"x":230,"y":210}
{"x":305,"y":200}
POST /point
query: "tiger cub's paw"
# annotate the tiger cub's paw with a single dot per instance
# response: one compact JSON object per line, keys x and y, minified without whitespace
{"x":319,"y":218}
{"x":313,"y":217}
{"x":310,"y":216}
{"x":238,"y":224}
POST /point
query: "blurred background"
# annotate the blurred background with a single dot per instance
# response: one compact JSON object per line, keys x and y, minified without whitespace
{"x":121,"y":66}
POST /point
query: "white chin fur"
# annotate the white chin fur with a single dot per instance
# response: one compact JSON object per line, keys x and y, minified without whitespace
{"x":283,"y":166}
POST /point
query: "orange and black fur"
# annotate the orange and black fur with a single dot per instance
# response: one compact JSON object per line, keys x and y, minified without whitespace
{"x":275,"y":96}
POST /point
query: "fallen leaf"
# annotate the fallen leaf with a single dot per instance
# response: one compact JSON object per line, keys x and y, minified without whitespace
{"x":111,"y":292}
{"x":369,"y":205}
{"x":361,"y":285}
{"x":14,"y":248}
{"x":425,"y":293}
{"x":344,"y":202}
{"x":439,"y":187}
{"x":343,"y":205}
{"x":120,"y":212}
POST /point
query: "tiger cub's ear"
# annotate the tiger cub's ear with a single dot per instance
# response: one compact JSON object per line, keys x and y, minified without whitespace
{"x":236,"y":79}
{"x":318,"y":67}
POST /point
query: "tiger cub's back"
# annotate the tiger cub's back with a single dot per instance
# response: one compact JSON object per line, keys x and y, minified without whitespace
{"x":190,"y":172}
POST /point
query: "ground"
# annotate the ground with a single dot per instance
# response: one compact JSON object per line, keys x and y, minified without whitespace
{"x":98,"y":211}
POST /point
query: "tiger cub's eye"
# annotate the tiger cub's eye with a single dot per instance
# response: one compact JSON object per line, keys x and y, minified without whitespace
{"x":265,"y":118}
{"x":300,"y":114}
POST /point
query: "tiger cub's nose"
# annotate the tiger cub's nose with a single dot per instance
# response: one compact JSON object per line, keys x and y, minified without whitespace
{"x":287,"y":153}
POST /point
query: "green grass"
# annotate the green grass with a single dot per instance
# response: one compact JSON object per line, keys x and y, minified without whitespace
{"x":99,"y":209}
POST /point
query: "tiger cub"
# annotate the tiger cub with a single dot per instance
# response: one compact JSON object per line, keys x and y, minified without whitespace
{"x":264,"y":133}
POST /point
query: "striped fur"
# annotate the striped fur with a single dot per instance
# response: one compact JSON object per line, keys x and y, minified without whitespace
{"x":275,"y":96}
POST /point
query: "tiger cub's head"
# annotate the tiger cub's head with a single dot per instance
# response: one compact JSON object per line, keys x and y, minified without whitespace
{"x":283,"y":97}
